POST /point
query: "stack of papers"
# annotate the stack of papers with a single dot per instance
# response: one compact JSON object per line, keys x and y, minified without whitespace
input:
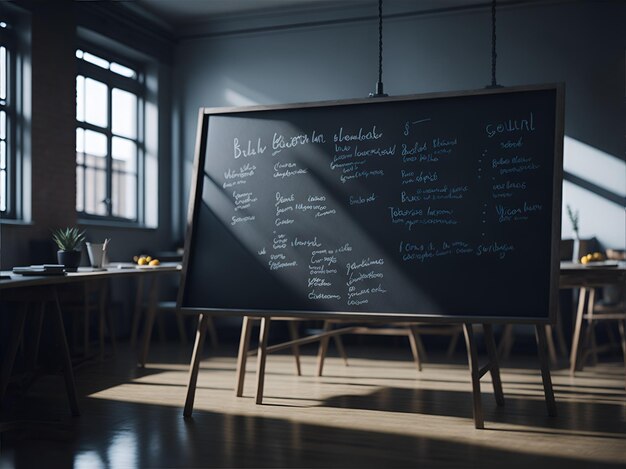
{"x":44,"y":269}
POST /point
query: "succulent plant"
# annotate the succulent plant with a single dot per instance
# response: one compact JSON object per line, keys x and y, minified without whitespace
{"x":68,"y":239}
{"x":573,"y":218}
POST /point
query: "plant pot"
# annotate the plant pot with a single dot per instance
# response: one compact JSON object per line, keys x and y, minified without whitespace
{"x":70,"y":259}
{"x":576,"y":250}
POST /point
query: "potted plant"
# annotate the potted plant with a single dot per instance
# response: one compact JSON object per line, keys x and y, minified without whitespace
{"x":68,"y":241}
{"x":573,"y":218}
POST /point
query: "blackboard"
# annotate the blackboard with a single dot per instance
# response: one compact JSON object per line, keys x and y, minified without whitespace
{"x":437,"y":207}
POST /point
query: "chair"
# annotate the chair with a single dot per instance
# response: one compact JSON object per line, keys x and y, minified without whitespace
{"x":151,"y":311}
{"x":84,"y":301}
{"x":597,"y":312}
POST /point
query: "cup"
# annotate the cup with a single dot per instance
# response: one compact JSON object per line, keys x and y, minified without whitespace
{"x":97,"y":254}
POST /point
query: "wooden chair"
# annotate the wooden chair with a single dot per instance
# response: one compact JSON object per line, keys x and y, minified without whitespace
{"x":85,"y":300}
{"x":151,"y":311}
{"x":593,"y":313}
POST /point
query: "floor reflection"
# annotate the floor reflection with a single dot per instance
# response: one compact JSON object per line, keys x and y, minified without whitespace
{"x":385,"y":415}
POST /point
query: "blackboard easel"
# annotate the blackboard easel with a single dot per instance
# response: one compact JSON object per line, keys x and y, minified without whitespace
{"x":473,"y":118}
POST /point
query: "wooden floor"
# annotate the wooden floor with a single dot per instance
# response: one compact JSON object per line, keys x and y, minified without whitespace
{"x":378,"y":412}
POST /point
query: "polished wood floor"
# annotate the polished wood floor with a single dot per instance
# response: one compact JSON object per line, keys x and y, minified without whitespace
{"x":377,"y":412}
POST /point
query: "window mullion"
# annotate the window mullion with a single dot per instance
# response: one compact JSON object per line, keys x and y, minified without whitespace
{"x":140,"y":161}
{"x":109,"y":165}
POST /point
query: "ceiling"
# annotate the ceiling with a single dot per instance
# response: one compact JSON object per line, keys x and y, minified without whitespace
{"x":177,"y":13}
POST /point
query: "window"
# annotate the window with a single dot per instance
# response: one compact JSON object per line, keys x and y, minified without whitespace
{"x":109,"y":138}
{"x":7,"y":124}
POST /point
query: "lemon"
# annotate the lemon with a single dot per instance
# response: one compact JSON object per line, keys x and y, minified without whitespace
{"x":148,"y":258}
{"x":142,"y":261}
{"x":154,"y":262}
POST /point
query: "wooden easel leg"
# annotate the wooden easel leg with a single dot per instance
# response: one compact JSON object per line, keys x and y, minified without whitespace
{"x":545,"y":369}
{"x":494,"y":368}
{"x":321,"y":352}
{"x":195,"y":364}
{"x":137,"y":311}
{"x":472,"y":358}
{"x":575,"y":352}
{"x":14,"y":341}
{"x":242,"y":356}
{"x":261,"y":359}
{"x":414,"y":348}
{"x":293,"y":332}
{"x":150,"y":315}
{"x":68,"y":372}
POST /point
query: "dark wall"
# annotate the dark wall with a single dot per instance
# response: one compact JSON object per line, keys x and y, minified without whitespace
{"x":247,"y":61}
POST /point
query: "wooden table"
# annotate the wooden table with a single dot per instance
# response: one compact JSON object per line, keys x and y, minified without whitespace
{"x":588,"y":279}
{"x":44,"y":289}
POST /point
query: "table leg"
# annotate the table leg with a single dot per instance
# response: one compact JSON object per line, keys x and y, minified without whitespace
{"x":575,"y":352}
{"x":150,"y":315}
{"x":137,"y":311}
{"x":86,"y":318}
{"x":14,"y":342}
{"x":68,"y":372}
{"x":38,"y":326}
{"x":622,"y":332}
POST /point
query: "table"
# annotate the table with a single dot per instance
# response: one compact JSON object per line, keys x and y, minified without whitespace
{"x":588,"y":278}
{"x":43,"y":289}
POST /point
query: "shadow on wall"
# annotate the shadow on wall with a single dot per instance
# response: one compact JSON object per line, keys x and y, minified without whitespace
{"x":595,"y":185}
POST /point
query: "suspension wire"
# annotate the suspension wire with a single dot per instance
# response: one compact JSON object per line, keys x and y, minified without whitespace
{"x":379,"y":85}
{"x":494,"y":55}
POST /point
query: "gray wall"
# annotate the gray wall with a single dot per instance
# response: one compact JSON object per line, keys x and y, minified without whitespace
{"x":581,"y":44}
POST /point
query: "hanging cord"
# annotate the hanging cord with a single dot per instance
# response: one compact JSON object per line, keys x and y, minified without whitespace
{"x":494,"y":55}
{"x":379,"y":85}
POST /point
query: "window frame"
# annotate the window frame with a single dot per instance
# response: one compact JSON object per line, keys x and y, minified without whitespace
{"x":13,"y":200}
{"x":136,"y":86}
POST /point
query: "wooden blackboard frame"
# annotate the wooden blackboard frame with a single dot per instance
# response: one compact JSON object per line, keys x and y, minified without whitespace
{"x":204,"y":116}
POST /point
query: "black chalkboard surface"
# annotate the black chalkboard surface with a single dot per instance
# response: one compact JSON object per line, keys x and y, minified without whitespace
{"x":431,"y":207}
